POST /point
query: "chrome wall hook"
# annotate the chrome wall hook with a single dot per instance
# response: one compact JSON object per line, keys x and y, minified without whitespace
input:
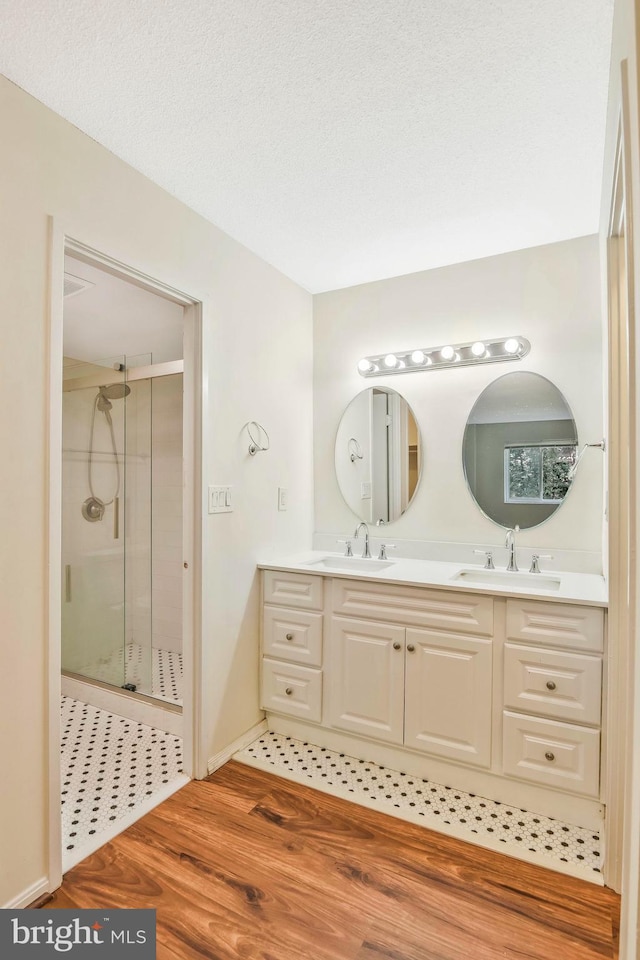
{"x":258,"y":436}
{"x":354,"y":450}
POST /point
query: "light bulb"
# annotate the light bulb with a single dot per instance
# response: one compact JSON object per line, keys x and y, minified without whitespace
{"x":478,"y":349}
{"x":512,"y":345}
{"x":447,"y":353}
{"x":418,"y":356}
{"x":364,"y":366}
{"x":390,"y":360}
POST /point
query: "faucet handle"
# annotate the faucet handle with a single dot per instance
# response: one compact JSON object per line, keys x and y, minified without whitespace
{"x":348,"y":552}
{"x":489,"y":564}
{"x":383,"y":550}
{"x":535,"y":566}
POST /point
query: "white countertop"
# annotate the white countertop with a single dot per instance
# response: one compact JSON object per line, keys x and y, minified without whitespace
{"x":584,"y":588}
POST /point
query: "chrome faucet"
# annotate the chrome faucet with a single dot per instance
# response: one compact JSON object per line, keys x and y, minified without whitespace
{"x":510,"y":544}
{"x":365,"y":552}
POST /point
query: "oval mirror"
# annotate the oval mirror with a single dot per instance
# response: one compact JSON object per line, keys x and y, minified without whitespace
{"x":378,"y":455}
{"x":519,"y":445}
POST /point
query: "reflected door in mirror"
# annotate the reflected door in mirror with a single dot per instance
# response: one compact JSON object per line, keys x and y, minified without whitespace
{"x":378,"y":455}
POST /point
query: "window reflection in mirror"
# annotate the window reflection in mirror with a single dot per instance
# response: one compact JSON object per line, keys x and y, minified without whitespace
{"x":519,"y":445}
{"x":378,"y":455}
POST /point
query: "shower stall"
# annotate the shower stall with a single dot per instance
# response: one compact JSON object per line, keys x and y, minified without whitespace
{"x":122,"y":527}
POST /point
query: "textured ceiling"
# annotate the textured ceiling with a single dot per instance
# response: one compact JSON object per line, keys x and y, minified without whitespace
{"x":341,"y":140}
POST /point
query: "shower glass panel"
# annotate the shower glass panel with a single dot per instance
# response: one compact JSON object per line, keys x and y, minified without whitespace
{"x":105,"y":538}
{"x":138,"y":664}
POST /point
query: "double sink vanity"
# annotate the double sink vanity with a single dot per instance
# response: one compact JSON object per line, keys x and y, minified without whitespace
{"x":485,"y":680}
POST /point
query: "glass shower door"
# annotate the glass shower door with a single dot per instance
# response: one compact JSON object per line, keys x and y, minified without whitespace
{"x":93,"y":520}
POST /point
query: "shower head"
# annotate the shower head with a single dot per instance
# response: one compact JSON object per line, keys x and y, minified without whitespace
{"x":115,"y":391}
{"x":109,"y":392}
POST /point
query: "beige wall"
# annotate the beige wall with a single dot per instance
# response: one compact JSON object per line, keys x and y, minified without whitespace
{"x":549,"y":294}
{"x":257,"y":365}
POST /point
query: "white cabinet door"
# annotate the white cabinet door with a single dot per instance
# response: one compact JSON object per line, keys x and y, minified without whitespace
{"x":448,"y":696}
{"x":367,"y":678}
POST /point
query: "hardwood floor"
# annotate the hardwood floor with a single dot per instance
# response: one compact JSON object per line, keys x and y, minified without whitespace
{"x":246,"y":866}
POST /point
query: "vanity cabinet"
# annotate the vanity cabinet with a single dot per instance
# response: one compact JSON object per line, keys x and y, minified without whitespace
{"x":552,"y":694}
{"x":420,"y":688}
{"x":292,"y":641}
{"x":506,"y":689}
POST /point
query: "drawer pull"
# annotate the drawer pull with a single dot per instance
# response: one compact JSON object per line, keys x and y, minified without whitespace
{"x":289,"y":691}
{"x":289,"y":636}
{"x":410,"y":647}
{"x":549,"y":756}
{"x":550,"y":685}
{"x":397,"y":646}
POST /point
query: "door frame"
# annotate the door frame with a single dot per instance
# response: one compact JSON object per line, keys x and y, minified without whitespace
{"x":62,"y":242}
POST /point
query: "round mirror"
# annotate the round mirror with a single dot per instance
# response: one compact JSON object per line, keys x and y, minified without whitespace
{"x":378,"y":455}
{"x":519,"y":446}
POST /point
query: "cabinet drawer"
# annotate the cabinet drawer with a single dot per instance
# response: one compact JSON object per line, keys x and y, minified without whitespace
{"x":414,"y":606}
{"x":551,"y":753}
{"x":556,"y":624}
{"x":288,"y":688}
{"x":293,"y":589}
{"x":566,"y":686}
{"x":292,"y":635}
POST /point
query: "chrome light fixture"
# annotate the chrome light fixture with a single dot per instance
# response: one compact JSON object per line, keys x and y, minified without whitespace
{"x":449,"y":355}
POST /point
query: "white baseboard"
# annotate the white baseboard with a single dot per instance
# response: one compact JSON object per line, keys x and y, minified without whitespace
{"x":31,"y":894}
{"x":220,"y":758}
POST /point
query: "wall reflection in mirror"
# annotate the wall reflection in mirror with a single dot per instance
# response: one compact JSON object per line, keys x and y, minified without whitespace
{"x":519,"y":445}
{"x":378,"y":455}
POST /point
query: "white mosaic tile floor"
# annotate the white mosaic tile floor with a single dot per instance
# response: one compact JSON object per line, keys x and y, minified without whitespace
{"x":109,"y":766}
{"x":127,"y":665}
{"x":521,"y":832}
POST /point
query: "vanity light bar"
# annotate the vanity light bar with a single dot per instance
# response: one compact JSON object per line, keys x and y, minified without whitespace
{"x":450,"y":355}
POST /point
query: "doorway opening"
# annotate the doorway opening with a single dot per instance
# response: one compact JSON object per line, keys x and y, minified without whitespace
{"x":124,"y":637}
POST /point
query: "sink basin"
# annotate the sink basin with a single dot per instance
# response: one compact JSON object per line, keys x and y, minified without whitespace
{"x":351,"y":563}
{"x":501,"y":578}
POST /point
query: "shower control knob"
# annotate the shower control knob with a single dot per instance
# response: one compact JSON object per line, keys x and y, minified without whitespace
{"x":93,"y":509}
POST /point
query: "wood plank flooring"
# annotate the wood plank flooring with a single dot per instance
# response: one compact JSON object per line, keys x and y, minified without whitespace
{"x":247,"y":866}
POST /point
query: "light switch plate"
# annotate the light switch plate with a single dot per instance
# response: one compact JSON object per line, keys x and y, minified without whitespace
{"x":365,"y":490}
{"x":220,"y":499}
{"x":283,"y":498}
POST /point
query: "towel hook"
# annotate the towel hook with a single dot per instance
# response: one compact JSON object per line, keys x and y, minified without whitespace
{"x":354,"y":450}
{"x":256,"y":432}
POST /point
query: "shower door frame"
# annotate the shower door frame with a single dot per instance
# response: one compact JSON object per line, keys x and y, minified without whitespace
{"x":61,"y":242}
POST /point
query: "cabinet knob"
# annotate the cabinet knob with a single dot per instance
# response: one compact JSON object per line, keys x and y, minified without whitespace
{"x":550,"y":685}
{"x":410,"y":647}
{"x":289,"y":636}
{"x":397,"y":646}
{"x":549,"y":756}
{"x":288,"y":691}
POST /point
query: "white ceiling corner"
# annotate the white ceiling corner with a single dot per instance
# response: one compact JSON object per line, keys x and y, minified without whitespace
{"x":343,"y":141}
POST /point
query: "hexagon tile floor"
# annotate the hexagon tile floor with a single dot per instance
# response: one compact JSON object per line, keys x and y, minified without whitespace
{"x":130,"y":664}
{"x":112,"y":769}
{"x":519,"y":833}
